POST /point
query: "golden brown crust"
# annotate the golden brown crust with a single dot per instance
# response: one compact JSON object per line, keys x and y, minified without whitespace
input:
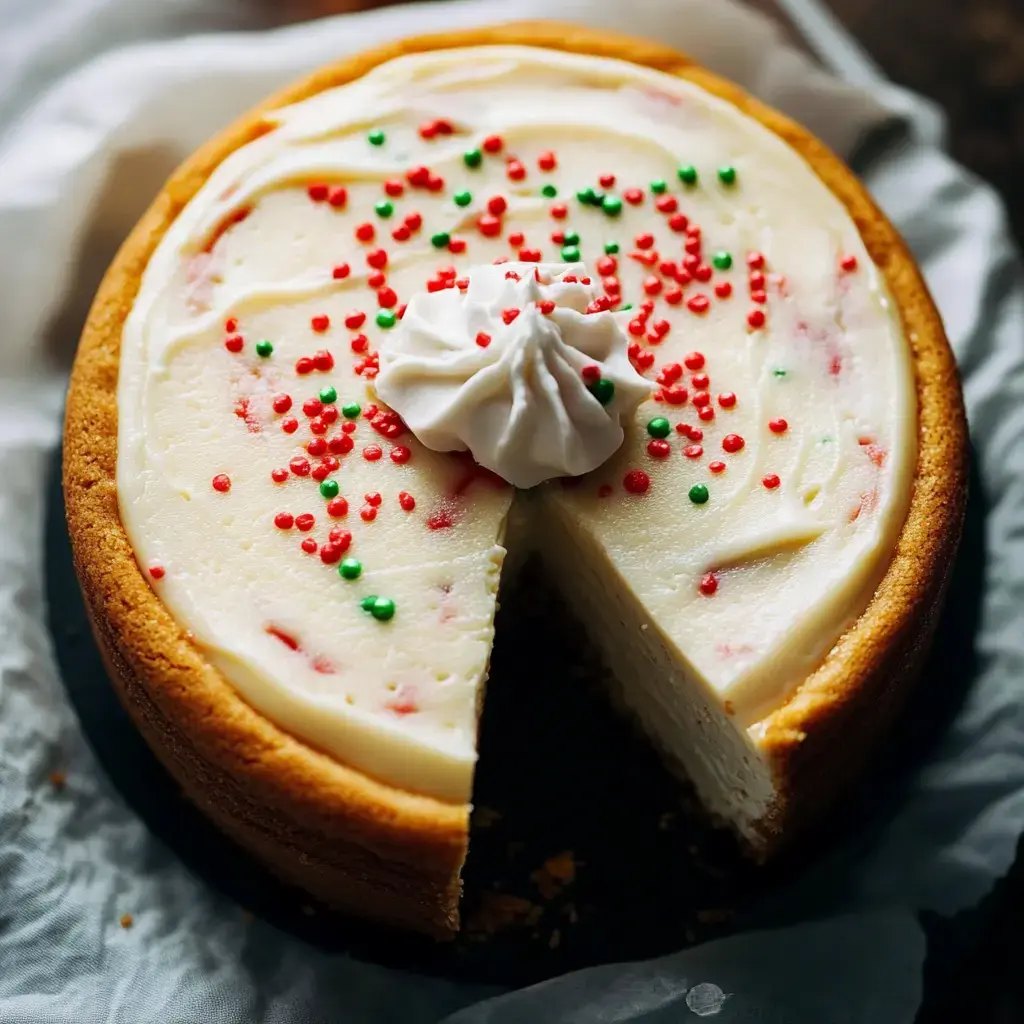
{"x":367,"y":847}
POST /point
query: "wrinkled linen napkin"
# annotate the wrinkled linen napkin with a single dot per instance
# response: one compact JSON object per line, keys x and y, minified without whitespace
{"x":99,"y":99}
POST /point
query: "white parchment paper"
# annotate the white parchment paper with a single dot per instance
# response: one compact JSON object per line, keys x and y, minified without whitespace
{"x":99,"y":99}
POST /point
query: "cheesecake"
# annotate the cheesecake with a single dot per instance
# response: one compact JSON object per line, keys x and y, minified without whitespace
{"x":469,"y":297}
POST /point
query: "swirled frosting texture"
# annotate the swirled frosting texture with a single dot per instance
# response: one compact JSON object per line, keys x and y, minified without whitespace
{"x":515,"y":370}
{"x":743,"y":522}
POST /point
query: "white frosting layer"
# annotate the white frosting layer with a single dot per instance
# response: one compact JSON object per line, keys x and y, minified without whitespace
{"x":744,"y":593}
{"x":496,"y":372}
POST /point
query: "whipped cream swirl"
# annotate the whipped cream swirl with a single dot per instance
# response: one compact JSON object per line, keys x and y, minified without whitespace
{"x":525,"y":370}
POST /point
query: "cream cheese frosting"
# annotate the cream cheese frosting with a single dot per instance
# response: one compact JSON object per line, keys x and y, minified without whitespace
{"x":526,"y":370}
{"x":340,"y":573}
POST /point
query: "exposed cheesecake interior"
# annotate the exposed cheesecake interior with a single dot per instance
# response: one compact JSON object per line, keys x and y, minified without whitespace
{"x":343,"y":577}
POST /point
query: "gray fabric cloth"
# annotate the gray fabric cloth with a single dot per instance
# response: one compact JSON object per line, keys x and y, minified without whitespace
{"x":842,"y":943}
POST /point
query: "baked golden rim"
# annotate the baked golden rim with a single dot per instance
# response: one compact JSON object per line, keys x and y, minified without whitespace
{"x":356,"y":842}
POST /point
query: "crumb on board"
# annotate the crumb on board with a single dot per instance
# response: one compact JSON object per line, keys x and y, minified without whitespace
{"x":58,"y":779}
{"x":501,"y":910}
{"x":555,"y":873}
{"x":127,"y":920}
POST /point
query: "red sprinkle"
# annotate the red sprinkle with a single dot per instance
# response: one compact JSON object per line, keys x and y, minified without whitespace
{"x":483,"y":339}
{"x":222,"y":483}
{"x":694,"y":361}
{"x":394,"y":187}
{"x":308,"y":545}
{"x":338,"y":196}
{"x":698,"y":304}
{"x":708,"y":584}
{"x":279,"y":475}
{"x":636,"y":481}
{"x":400,"y":454}
{"x":727,"y":399}
{"x":755,"y":260}
{"x":299,"y":465}
{"x":644,"y":241}
{"x":756,"y":318}
{"x":342,"y":539}
{"x":848,"y":263}
{"x":497,"y":205}
{"x":284,"y":520}
{"x":591,"y":373}
{"x":234,"y":343}
{"x":372,"y":452}
{"x":658,"y":449}
{"x":157,"y":571}
{"x":305,"y":522}
{"x":633,"y":196}
{"x":329,"y":553}
{"x":693,"y":451}
{"x":365,"y":232}
{"x":733,"y":443}
{"x":778,"y":426}
{"x":312,"y":407}
{"x":771,"y":481}
{"x":355,"y":320}
{"x":317,"y":192}
{"x":546,"y":161}
{"x":290,"y":425}
{"x":341,"y":271}
{"x":559,"y":211}
{"x":231,"y":325}
{"x":489,"y":225}
{"x":508,"y":315}
{"x":546,"y":306}
{"x":406,"y":500}
{"x":316,"y":446}
{"x":304,"y":365}
{"x":320,"y":323}
{"x":666,"y":203}
{"x":515,"y":170}
{"x":707,"y":413}
{"x":716,"y":466}
{"x":282,"y":403}
{"x":368,"y":513}
{"x":723,"y":289}
{"x":387,"y":297}
{"x":492,"y":144}
{"x":337,"y":507}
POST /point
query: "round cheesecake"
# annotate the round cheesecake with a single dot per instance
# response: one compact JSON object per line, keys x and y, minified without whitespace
{"x":467,"y":297}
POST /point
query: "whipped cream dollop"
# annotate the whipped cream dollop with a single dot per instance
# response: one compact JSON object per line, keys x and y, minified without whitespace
{"x":524,"y":368}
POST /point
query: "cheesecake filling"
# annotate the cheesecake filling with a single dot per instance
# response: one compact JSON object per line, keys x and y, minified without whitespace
{"x":717,"y":537}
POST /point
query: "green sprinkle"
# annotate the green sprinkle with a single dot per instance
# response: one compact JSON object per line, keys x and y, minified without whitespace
{"x":688,"y":175}
{"x":623,"y":308}
{"x":659,"y":427}
{"x":570,"y":238}
{"x":699,"y":494}
{"x":824,"y":440}
{"x":588,"y":197}
{"x":384,"y":208}
{"x":549,"y":191}
{"x":778,"y":372}
{"x":611,"y":248}
{"x":440,"y":240}
{"x":727,"y":174}
{"x":570,"y":253}
{"x":376,"y":137}
{"x":612,"y":205}
{"x":329,"y":488}
{"x":472,"y":158}
{"x":722,"y":260}
{"x":328,"y":395}
{"x":462,"y":198}
{"x":350,"y":569}
{"x":381,"y":608}
{"x":264,"y":348}
{"x":658,"y":186}
{"x":603,"y":390}
{"x":350,"y":410}
{"x":386,"y":318}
